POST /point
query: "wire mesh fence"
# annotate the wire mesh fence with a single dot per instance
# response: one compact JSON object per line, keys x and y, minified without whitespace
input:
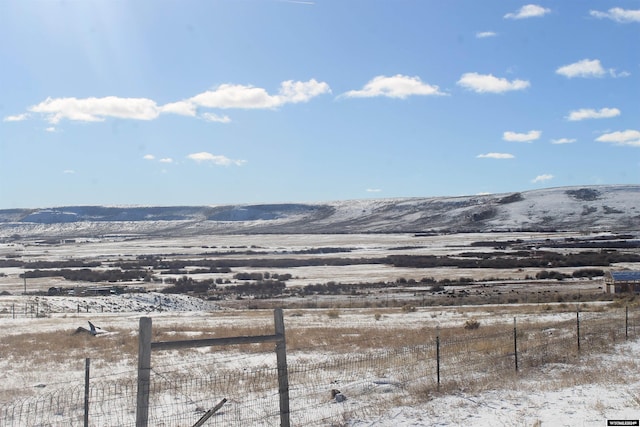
{"x":33,"y":308}
{"x":371,"y":380}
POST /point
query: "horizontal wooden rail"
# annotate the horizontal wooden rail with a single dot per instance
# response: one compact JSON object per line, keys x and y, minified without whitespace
{"x":169,"y":345}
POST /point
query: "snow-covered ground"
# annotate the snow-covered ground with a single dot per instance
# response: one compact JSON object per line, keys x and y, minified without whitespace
{"x":557,"y":395}
{"x":585,"y":391}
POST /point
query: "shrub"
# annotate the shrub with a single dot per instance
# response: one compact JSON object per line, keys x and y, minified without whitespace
{"x":542,"y":275}
{"x":333,"y":313}
{"x":471,"y":324}
{"x":408,"y":308}
{"x":588,"y":272}
{"x":437,"y":288}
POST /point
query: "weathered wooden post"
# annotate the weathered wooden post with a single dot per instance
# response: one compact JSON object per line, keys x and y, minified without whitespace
{"x":283,"y":375}
{"x":144,"y":372}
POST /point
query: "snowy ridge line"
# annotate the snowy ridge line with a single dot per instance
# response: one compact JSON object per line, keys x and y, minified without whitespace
{"x":586,"y":208}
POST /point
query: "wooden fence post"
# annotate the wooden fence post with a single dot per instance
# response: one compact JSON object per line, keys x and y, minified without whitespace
{"x":144,"y":372}
{"x":283,"y":375}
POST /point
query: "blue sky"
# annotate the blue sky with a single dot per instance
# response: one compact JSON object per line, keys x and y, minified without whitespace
{"x":267,"y":101}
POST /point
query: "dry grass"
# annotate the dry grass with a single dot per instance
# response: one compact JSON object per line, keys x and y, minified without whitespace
{"x":398,"y":299}
{"x":333,"y":335}
{"x":61,"y":346}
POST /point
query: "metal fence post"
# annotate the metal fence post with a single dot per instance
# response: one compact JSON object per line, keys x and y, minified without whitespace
{"x":438,"y":356}
{"x":144,"y":372}
{"x":283,"y":376}
{"x":515,"y":343}
{"x":578,"y":326}
{"x":87,"y":364}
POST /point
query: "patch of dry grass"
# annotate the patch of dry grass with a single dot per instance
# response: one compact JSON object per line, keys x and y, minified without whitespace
{"x":60,"y":346}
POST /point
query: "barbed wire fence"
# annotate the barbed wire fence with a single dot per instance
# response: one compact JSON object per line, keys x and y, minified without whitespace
{"x":372,"y":381}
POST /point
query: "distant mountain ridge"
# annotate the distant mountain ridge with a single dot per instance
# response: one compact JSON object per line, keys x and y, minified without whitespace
{"x":584,"y":208}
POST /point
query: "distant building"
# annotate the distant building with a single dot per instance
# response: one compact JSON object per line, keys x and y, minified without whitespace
{"x":618,"y":282}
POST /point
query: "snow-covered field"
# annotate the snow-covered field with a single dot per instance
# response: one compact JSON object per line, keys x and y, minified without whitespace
{"x":109,"y":250}
{"x":585,"y":390}
{"x":381,"y":358}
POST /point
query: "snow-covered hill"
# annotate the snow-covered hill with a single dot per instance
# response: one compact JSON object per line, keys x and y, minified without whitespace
{"x":587,"y":208}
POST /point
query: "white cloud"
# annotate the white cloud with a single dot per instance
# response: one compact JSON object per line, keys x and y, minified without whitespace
{"x":589,"y":113}
{"x":295,"y":92}
{"x":532,"y":135}
{"x":215,"y":159}
{"x":166,"y":160}
{"x":397,"y":86}
{"x":485,"y":34}
{"x":51,"y":129}
{"x":487,"y":83}
{"x":542,"y":178}
{"x":183,"y":108}
{"x":584,"y":68}
{"x":495,"y":156}
{"x":249,"y":97}
{"x":225,"y":96}
{"x":528,"y":11}
{"x":563,"y":141}
{"x":628,"y":137}
{"x":149,"y":157}
{"x":373,"y":190}
{"x":211,"y":117}
{"x":618,"y":14}
{"x":16,"y":118}
{"x":96,"y":109}
{"x":68,"y":171}
{"x":614,"y":73}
